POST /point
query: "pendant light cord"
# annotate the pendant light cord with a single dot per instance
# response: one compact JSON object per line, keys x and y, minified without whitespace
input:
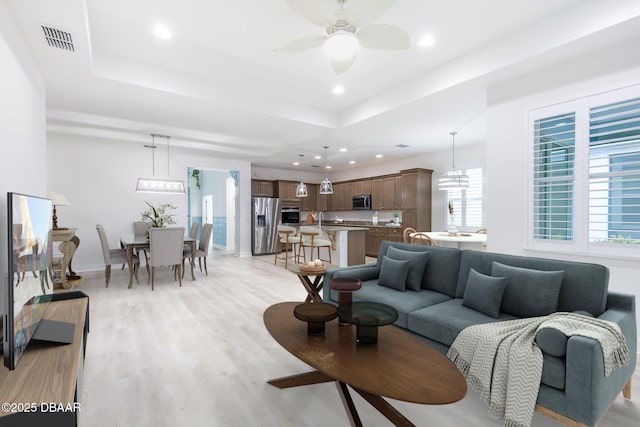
{"x":453,"y":149}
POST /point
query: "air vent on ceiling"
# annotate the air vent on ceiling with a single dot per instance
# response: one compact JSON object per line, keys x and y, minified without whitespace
{"x":402,"y":146}
{"x":315,"y":166}
{"x":57,"y":38}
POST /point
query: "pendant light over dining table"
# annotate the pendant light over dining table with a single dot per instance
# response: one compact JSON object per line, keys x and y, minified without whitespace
{"x":325,"y":186}
{"x":453,"y":179}
{"x":159,"y":185}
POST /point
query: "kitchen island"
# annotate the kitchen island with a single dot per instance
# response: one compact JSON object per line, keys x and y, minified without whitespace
{"x":348,"y":246}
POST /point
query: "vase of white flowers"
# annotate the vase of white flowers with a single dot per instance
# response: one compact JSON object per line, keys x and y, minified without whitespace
{"x":452,"y":229}
{"x":158,"y":215}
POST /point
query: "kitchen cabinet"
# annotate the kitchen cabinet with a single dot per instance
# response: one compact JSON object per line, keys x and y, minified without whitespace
{"x":386,"y":192}
{"x":309,"y":203}
{"x":261,"y":188}
{"x":362,"y":186}
{"x":375,"y":236}
{"x":416,"y":198}
{"x":287,"y":191}
{"x":322,"y":201}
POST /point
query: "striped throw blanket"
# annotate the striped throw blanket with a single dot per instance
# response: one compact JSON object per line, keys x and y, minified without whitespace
{"x":502,"y":362}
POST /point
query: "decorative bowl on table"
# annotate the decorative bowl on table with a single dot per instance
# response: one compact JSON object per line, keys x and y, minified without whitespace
{"x":316,"y":266}
{"x":315,"y":314}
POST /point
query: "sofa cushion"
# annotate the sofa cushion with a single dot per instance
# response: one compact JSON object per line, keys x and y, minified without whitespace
{"x":529,"y":293}
{"x":443,"y":322}
{"x":393,"y":273}
{"x":417,"y":265}
{"x":584,"y":285}
{"x":441,"y":273}
{"x":403,"y":302}
{"x":484,"y":293}
{"x":554,"y":342}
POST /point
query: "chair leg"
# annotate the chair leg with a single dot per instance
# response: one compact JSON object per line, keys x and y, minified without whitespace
{"x":153,"y":273}
{"x":180,"y":267}
{"x":205,"y":266}
{"x":136,"y":267}
{"x":107,"y":274}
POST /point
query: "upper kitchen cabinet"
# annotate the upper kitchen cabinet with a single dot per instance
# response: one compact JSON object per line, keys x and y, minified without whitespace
{"x":260,"y":188}
{"x":287,"y":191}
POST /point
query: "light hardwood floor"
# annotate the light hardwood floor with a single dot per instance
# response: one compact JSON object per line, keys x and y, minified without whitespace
{"x":200,"y":356}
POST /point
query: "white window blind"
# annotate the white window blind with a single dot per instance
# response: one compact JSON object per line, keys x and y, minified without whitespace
{"x":585,"y":175}
{"x":553,"y":176}
{"x":467,"y":204}
{"x":614,"y":173}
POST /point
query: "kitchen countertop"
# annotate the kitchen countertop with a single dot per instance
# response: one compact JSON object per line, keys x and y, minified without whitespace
{"x":338,"y":227}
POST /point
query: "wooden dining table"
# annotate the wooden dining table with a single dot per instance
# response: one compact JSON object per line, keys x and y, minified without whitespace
{"x":132,"y":242}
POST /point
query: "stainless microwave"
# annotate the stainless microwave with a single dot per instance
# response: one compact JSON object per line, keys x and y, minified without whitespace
{"x":361,"y":201}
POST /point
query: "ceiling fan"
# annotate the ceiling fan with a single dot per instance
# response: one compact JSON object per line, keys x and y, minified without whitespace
{"x":347,"y":27}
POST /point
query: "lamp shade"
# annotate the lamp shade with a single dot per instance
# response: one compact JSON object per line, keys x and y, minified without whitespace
{"x":453,"y":180}
{"x":57,"y":199}
{"x":342,"y":44}
{"x":301,"y":190}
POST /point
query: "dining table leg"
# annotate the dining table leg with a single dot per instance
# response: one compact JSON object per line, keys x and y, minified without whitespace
{"x":130,"y":264}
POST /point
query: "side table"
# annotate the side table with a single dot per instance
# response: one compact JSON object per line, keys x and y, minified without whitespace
{"x":345,"y":287}
{"x":367,"y":316}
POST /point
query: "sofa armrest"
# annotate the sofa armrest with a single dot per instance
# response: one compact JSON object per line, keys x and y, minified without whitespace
{"x":363,"y":272}
{"x":589,"y":392}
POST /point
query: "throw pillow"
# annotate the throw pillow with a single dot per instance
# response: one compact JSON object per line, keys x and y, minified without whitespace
{"x":484,"y":293}
{"x":529,"y":293}
{"x":393,"y":273}
{"x":417,"y":265}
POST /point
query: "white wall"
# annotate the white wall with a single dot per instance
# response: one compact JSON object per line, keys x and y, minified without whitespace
{"x":507,"y":150}
{"x":23,"y":166}
{"x":98,"y":176}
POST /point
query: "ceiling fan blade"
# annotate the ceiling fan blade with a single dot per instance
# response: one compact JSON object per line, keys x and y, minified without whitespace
{"x":301,"y":44}
{"x":340,"y":66}
{"x":382,"y":36}
{"x":316,"y":12}
{"x":365,"y":12}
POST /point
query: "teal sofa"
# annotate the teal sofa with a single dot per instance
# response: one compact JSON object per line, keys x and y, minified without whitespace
{"x":573,"y":387}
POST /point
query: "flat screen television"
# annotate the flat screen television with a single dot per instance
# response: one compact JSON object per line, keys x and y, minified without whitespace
{"x":28,"y":289}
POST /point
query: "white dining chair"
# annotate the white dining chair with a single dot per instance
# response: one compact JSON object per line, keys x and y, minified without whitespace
{"x":312,"y":237}
{"x":193,"y":233}
{"x":114,"y":256}
{"x":165,"y":247}
{"x":202,"y":250}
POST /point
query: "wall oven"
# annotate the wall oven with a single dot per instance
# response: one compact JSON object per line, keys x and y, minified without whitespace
{"x":290,"y":215}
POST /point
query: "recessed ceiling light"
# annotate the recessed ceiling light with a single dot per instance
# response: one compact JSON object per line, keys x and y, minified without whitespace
{"x":378,"y":156}
{"x":162,"y":32}
{"x":343,"y":150}
{"x":426,"y":40}
{"x":317,"y":157}
{"x":296,"y":163}
{"x":328,"y":167}
{"x":338,"y":90}
{"x":352,"y":162}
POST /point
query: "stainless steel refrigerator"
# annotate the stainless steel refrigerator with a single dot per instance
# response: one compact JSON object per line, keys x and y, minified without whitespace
{"x":265,"y":217}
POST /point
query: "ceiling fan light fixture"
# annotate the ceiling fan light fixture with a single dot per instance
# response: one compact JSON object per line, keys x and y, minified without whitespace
{"x":342,"y":44}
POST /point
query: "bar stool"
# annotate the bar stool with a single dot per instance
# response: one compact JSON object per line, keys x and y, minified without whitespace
{"x":311,"y":238}
{"x":287,"y":237}
{"x":345,"y":286}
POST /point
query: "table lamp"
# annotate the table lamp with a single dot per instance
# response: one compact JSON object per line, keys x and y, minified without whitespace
{"x":58,"y":200}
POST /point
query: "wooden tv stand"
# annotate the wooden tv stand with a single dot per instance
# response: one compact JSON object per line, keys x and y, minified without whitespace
{"x":45,"y":387}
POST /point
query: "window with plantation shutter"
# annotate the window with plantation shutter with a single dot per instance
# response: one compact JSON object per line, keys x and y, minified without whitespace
{"x":467,"y":204}
{"x":585,"y":175}
{"x":614,"y":173}
{"x":553,"y":176}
